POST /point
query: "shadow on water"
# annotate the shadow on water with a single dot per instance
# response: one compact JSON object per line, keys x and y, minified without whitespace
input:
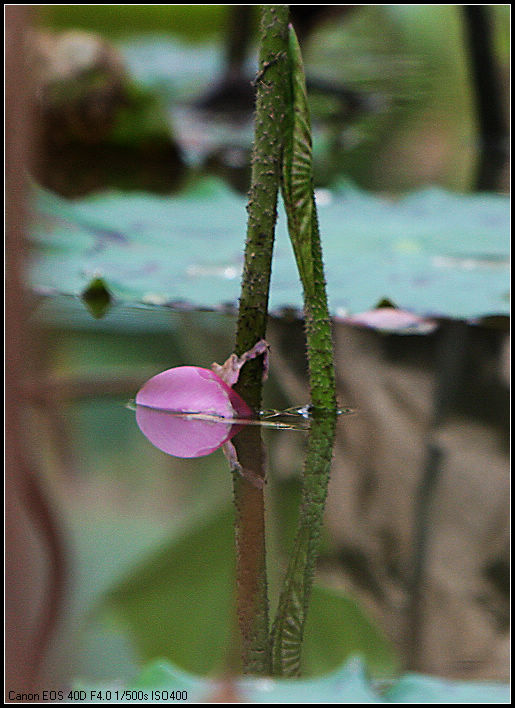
{"x":124,"y":501}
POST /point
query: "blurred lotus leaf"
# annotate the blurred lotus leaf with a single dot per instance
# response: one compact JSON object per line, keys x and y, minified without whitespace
{"x":348,"y":684}
{"x":433,"y":252}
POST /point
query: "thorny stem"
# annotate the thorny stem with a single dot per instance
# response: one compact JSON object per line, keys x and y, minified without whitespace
{"x":271,"y":106}
{"x":275,"y":115}
{"x":272,"y":94}
{"x":288,"y":628}
{"x":299,"y":200}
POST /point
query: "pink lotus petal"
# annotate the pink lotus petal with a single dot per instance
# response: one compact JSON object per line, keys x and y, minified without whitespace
{"x":391,"y":319}
{"x":181,"y":436}
{"x":192,"y":389}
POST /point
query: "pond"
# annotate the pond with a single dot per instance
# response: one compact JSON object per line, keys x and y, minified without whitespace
{"x":150,"y":535}
{"x":144,"y":568}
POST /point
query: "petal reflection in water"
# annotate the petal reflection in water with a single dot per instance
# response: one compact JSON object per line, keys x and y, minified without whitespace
{"x":183,"y":435}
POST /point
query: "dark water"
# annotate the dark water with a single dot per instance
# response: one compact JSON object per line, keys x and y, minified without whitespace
{"x":413,"y":565}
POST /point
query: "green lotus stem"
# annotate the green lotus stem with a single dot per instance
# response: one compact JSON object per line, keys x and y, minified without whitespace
{"x":272,"y":86}
{"x":271,"y":107}
{"x":299,"y":201}
{"x":298,"y":195}
{"x":288,"y":628}
{"x":282,"y":154}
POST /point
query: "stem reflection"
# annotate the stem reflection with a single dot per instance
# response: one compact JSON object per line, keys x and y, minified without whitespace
{"x":288,"y":628}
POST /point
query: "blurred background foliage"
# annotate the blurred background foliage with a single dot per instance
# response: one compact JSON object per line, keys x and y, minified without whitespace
{"x":392,"y":86}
